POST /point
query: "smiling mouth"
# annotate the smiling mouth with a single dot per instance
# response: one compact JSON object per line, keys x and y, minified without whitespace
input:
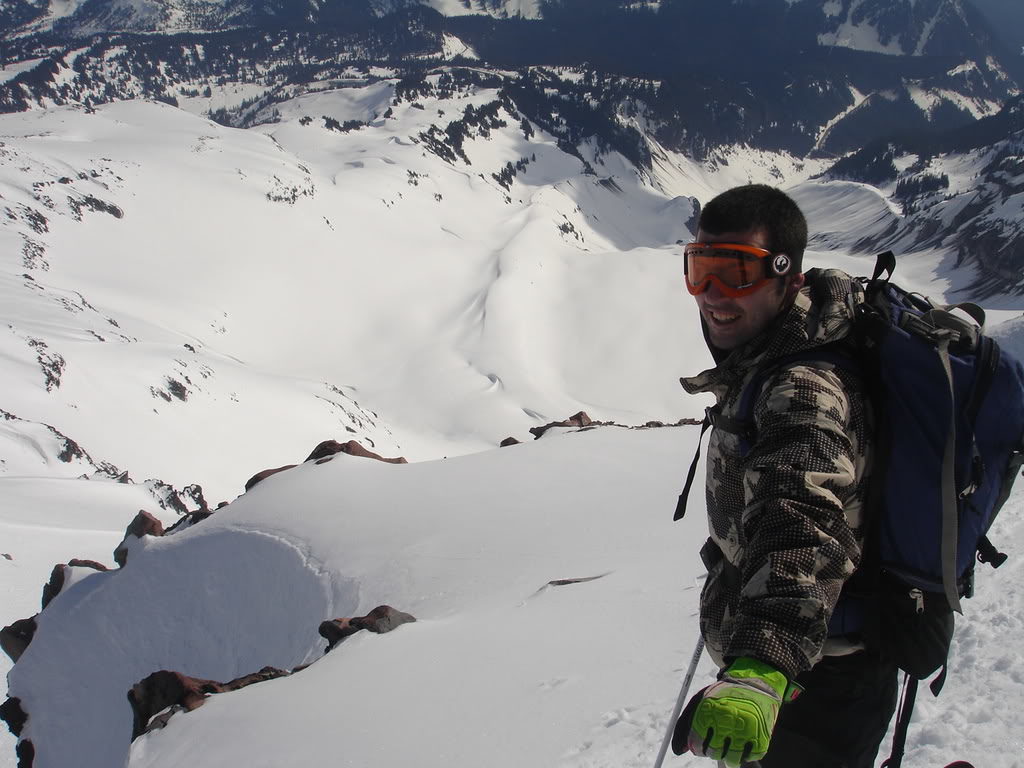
{"x":722,"y":318}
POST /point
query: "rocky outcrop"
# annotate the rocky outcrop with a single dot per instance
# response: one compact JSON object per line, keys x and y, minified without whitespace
{"x":15,"y":637}
{"x":381,"y":619}
{"x":60,"y":575}
{"x":159,"y":696}
{"x":185,"y":501}
{"x":144,"y":524}
{"x":12,"y":714}
{"x":26,"y":753}
{"x":581,"y":421}
{"x":259,"y":477}
{"x":329,"y":448}
{"x":324,"y":452}
{"x":509,"y":441}
{"x":166,"y":689}
{"x":191,"y":518}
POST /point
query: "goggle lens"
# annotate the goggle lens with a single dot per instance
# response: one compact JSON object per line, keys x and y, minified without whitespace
{"x":737,"y":269}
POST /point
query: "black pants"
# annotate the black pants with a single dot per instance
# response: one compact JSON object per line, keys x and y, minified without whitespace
{"x":840,"y":719}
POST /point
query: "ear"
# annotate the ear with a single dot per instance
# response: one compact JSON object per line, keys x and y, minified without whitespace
{"x":793,"y":285}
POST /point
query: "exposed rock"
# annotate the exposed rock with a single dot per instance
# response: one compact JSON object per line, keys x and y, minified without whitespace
{"x":76,"y":562}
{"x":582,"y":422}
{"x":326,"y":448}
{"x":194,"y":493}
{"x":53,"y":587}
{"x":259,"y":477}
{"x":58,"y":577}
{"x":190,"y":519}
{"x":26,"y":753}
{"x":15,"y":637}
{"x":324,"y":452}
{"x":509,"y":441}
{"x":6,"y":556}
{"x":166,"y":496}
{"x":580,"y":419}
{"x":381,"y":619}
{"x":12,"y":714}
{"x":353,"y":448}
{"x":165,"y":688}
{"x":144,"y":524}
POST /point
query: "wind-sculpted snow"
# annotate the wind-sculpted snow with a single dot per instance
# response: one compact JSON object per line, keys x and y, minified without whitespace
{"x":555,"y":604}
{"x":467,"y":545}
{"x":218,"y":605}
{"x":265,"y":290}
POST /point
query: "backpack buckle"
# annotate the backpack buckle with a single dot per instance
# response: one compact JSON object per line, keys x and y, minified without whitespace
{"x":968,"y":583}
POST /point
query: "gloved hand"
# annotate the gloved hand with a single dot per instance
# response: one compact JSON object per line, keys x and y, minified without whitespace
{"x":732,"y":720}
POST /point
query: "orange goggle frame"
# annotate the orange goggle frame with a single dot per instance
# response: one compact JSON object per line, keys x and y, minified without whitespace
{"x":736,"y":268}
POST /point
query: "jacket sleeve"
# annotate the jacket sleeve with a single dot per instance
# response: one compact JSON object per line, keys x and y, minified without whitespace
{"x":803,"y":488}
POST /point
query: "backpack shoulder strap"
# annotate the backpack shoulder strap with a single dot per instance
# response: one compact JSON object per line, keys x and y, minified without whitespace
{"x":681,"y":504}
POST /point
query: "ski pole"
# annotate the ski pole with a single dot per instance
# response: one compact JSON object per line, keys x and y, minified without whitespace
{"x":684,"y":691}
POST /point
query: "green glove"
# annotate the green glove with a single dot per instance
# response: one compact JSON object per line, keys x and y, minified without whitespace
{"x":732,"y":720}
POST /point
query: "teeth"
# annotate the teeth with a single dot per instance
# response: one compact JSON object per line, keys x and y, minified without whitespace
{"x":723,"y":318}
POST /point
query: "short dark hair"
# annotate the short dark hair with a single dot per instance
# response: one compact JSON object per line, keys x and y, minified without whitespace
{"x":759,"y":206}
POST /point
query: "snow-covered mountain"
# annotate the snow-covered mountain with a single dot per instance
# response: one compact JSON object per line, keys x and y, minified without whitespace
{"x":918,"y":28}
{"x":961,"y":193}
{"x":829,"y":91}
{"x":82,"y":18}
{"x":425,"y":232}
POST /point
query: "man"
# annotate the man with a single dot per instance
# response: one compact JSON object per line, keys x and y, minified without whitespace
{"x":785,"y":500}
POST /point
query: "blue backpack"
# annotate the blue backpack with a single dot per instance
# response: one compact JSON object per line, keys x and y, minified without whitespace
{"x":950,"y":406}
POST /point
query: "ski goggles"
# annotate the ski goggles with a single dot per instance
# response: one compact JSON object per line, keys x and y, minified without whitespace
{"x":737,"y":269}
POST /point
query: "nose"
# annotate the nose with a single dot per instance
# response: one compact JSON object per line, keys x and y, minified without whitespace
{"x":713,"y":292}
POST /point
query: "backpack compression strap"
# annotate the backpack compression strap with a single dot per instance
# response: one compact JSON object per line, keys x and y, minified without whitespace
{"x":950,"y":513}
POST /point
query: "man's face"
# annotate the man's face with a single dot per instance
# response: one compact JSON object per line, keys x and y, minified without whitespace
{"x":732,"y":322}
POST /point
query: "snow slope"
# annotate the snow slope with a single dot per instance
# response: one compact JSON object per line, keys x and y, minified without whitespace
{"x":194,"y":303}
{"x":527,"y":9}
{"x":501,"y":667}
{"x":288,"y":284}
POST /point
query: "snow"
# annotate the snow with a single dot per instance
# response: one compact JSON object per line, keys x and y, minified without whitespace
{"x":831,"y":8}
{"x":453,"y":47}
{"x":927,"y":31}
{"x":10,"y":71}
{"x":929,"y":99}
{"x":1010,"y":334}
{"x":858,"y":99}
{"x":49,"y":520}
{"x":299,"y":283}
{"x":862,"y":36}
{"x":527,"y":9}
{"x":227,"y":96}
{"x":499,"y":662}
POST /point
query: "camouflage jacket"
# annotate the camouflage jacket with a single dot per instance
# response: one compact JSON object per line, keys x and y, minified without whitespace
{"x":786,"y":519}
